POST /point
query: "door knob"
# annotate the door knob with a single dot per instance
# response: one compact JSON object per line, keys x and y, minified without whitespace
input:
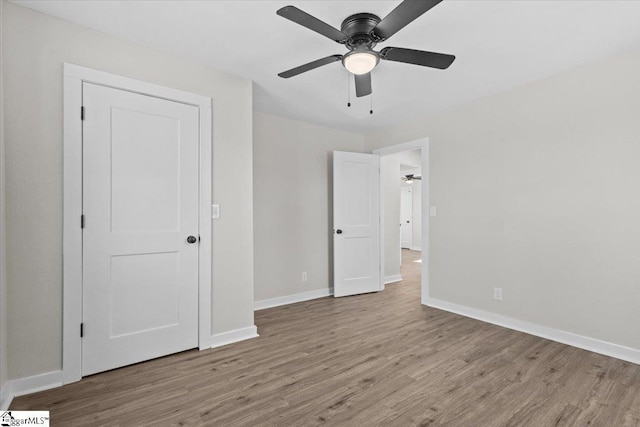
{"x":338,"y":231}
{"x":191,"y":239}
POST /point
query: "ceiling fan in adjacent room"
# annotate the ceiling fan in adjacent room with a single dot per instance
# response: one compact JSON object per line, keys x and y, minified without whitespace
{"x":410,"y":178}
{"x":360,"y":33}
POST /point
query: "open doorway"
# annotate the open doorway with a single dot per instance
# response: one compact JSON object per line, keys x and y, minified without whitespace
{"x":404,"y":214}
{"x":411,"y":203}
{"x":406,"y":217}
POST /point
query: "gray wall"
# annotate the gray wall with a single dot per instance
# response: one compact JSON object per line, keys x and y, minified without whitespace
{"x":35,"y":46}
{"x":293,"y":204}
{"x":537,"y":191}
{"x":3,"y":281}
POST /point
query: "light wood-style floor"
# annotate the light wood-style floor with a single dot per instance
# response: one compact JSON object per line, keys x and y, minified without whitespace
{"x":376,"y":359}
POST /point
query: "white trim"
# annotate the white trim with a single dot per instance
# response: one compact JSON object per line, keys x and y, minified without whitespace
{"x":423,"y":145}
{"x":205,"y":280}
{"x":36,"y":383}
{"x":579,"y":341}
{"x":292,"y":299}
{"x":28,"y":385}
{"x":103,"y":78}
{"x":74,"y":76}
{"x":392,"y":279}
{"x":236,"y":335}
{"x":405,"y":146}
{"x":71,"y":232}
{"x":415,"y":248}
{"x":5,"y":396}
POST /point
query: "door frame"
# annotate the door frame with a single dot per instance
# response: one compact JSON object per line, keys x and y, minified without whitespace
{"x":74,"y":77}
{"x":423,"y":145}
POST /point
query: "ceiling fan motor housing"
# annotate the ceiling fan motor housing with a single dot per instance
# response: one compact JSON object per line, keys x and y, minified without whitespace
{"x":359,"y":29}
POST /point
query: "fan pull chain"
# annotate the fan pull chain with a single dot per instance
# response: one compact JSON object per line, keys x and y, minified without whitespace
{"x":348,"y":89}
{"x":371,"y":104}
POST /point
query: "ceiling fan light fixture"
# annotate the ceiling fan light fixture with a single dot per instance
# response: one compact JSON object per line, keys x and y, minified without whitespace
{"x":360,"y":61}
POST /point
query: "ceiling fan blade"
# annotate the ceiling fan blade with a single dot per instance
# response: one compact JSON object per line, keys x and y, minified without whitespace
{"x":310,"y":66}
{"x":300,"y":17}
{"x":417,"y":57}
{"x":363,"y":84}
{"x":401,"y":16}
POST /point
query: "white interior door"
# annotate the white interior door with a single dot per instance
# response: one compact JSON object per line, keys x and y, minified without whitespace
{"x":406,"y":217}
{"x":140,"y":203}
{"x":356,"y":223}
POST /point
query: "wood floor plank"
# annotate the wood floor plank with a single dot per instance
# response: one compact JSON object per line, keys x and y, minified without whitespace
{"x":378,"y":359}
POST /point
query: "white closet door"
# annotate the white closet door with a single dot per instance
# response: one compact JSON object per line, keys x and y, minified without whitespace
{"x":140,"y":202}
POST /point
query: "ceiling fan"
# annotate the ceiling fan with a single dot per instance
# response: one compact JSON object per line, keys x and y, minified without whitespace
{"x":410,"y":178}
{"x":360,"y":33}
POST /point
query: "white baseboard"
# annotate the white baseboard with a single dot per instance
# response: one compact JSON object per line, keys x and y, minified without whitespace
{"x":36,"y":383}
{"x":5,"y":396}
{"x":291,"y":299}
{"x":591,"y":344}
{"x":225,"y":338}
{"x":28,"y":385}
{"x":46,"y":381}
{"x":415,"y":248}
{"x":392,"y":279}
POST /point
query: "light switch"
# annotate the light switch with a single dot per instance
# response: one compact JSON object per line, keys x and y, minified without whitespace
{"x":432,"y":211}
{"x":215,"y":211}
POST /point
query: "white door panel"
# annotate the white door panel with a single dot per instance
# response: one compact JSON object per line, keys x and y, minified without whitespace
{"x":140,"y":201}
{"x":356,"y":213}
{"x":144,"y":152}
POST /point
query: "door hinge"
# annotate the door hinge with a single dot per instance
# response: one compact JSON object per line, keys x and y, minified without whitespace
{"x":81,"y":221}
{"x":198,"y":238}
{"x":82,"y":113}
{"x":81,"y":330}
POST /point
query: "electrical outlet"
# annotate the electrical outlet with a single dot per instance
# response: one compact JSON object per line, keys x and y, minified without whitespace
{"x":304,"y":276}
{"x":497,"y":294}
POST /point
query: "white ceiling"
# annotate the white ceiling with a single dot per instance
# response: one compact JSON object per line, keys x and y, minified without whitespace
{"x":499,"y":44}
